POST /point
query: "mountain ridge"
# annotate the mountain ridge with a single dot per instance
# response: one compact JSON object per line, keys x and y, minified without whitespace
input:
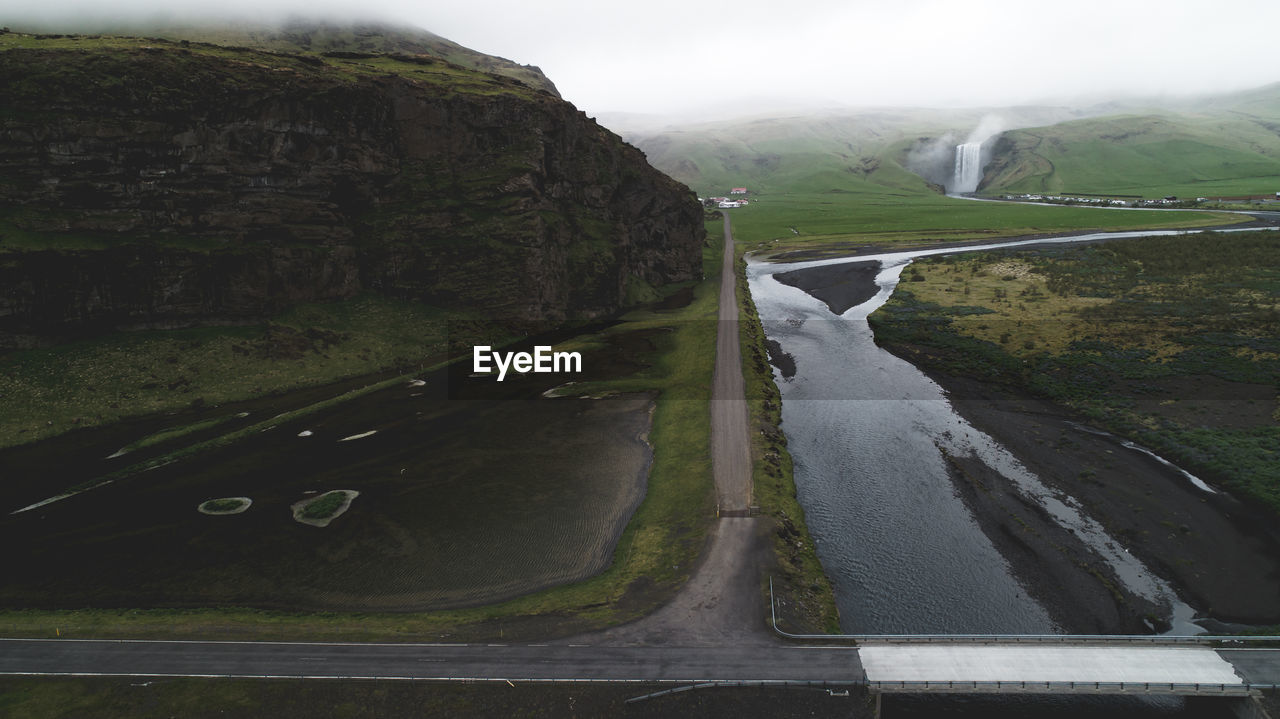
{"x":306,"y":35}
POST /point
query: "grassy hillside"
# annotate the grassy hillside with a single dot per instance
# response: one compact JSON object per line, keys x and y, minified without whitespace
{"x":1224,"y":146}
{"x":301,"y":36}
{"x":443,"y":75}
{"x":812,"y":153}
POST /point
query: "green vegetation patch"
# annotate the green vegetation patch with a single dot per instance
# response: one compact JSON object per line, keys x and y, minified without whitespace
{"x":108,"y":62}
{"x":88,"y":383}
{"x":804,"y":597}
{"x":205,"y":698}
{"x":1169,"y":341}
{"x":319,"y":511}
{"x":173,"y":433}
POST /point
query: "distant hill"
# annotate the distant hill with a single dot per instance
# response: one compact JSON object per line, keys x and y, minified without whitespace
{"x":1226,"y":145}
{"x":855,"y":151}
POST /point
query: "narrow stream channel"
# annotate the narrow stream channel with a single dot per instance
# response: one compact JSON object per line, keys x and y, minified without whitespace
{"x":866,"y":431}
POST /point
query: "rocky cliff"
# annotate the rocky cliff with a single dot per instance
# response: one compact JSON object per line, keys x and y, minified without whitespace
{"x":159,"y":183}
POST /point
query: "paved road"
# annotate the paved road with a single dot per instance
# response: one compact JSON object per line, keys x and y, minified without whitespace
{"x":1257,"y":666}
{"x":426,"y":661}
{"x":562,"y":662}
{"x":730,"y":449}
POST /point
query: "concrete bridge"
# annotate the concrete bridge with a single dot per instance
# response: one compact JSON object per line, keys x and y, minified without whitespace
{"x":1070,"y":668}
{"x":1062,"y":664}
{"x":1073,"y":665}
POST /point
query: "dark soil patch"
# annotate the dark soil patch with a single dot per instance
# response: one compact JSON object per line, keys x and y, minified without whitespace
{"x":1207,"y":401}
{"x":840,"y":286}
{"x":462,"y":503}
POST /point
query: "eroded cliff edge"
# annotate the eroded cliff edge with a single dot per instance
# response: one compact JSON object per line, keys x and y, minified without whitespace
{"x":149,"y":183}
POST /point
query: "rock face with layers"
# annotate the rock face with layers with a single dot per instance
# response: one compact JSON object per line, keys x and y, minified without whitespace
{"x":160,"y":184}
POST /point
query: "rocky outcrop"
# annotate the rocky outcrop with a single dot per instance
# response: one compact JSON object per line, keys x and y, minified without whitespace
{"x":165,"y":184}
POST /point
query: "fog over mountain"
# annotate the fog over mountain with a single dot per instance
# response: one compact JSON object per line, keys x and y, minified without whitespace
{"x":703,"y":60}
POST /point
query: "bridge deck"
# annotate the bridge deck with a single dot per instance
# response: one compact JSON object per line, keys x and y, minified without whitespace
{"x":914,"y":668}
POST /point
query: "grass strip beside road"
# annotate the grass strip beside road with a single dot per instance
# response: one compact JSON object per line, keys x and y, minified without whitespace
{"x":805,"y":599}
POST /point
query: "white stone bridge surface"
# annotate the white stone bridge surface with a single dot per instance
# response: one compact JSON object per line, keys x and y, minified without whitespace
{"x":1053,"y":668}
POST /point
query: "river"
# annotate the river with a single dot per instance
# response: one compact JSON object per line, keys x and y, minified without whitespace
{"x":867,"y":431}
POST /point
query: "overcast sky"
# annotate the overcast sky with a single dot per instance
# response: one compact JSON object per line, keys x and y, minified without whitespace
{"x":678,"y":56}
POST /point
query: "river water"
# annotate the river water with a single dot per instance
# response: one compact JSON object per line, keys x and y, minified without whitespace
{"x":865,"y":430}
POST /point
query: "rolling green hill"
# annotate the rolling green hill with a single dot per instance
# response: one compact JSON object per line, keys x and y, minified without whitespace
{"x":803,"y":153}
{"x":1222,"y":146}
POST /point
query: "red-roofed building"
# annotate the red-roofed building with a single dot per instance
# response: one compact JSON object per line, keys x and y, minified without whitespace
{"x":738,"y":191}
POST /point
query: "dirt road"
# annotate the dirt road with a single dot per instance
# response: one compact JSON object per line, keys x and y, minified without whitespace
{"x":721,"y":603}
{"x":730,"y":451}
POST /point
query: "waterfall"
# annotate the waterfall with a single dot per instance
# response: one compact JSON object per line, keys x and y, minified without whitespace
{"x":968,"y":167}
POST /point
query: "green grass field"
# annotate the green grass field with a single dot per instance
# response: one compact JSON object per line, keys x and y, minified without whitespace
{"x":839,"y":220}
